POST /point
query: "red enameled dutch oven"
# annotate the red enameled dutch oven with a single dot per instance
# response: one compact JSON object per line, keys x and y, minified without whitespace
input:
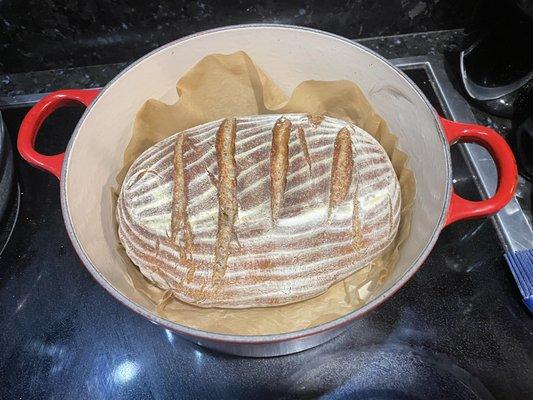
{"x":289,"y":55}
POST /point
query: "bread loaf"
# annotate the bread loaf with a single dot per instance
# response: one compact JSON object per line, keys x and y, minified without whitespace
{"x":258,"y":211}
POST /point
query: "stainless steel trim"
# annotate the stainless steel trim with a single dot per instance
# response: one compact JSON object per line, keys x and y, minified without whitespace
{"x":511,"y":223}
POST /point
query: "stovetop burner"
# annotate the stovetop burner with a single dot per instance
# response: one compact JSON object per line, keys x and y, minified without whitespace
{"x":457,"y":330}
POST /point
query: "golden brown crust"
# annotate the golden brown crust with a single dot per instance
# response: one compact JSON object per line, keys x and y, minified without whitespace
{"x":227,"y":196}
{"x":179,"y":218}
{"x":303,"y":145}
{"x":390,"y":213}
{"x":357,"y":226}
{"x":279,"y":163}
{"x":341,"y":169}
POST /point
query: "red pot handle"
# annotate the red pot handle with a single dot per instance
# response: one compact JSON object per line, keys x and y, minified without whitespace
{"x":34,"y":119}
{"x":505,"y":162}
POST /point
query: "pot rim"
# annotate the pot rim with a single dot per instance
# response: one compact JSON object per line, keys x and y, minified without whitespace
{"x":271,"y":338}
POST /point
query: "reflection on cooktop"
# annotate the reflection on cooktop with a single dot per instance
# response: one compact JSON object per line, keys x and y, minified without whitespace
{"x":387,"y":372}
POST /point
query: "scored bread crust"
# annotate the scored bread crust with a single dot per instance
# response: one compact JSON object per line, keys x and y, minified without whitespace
{"x":258,"y":211}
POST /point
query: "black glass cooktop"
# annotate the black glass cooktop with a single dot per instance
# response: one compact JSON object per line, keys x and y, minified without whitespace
{"x":457,"y":330}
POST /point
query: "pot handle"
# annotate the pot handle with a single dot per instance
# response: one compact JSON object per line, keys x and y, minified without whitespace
{"x":34,"y":119}
{"x":505,"y":162}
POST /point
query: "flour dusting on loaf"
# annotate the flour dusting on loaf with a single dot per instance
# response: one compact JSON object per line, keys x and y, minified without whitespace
{"x":258,"y":211}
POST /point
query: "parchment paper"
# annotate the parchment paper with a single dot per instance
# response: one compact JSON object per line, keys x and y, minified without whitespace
{"x":232,"y":85}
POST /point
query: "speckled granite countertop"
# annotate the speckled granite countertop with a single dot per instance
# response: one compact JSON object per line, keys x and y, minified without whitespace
{"x":40,"y":35}
{"x":98,"y":75}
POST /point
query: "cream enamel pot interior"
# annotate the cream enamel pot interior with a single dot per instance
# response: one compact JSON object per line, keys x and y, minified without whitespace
{"x":289,"y":55}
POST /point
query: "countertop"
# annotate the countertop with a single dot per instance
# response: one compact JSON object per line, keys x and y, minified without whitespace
{"x":98,"y":75}
{"x":40,"y":35}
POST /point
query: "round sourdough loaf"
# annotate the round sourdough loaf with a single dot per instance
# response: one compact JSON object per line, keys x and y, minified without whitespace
{"x":258,"y":211}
